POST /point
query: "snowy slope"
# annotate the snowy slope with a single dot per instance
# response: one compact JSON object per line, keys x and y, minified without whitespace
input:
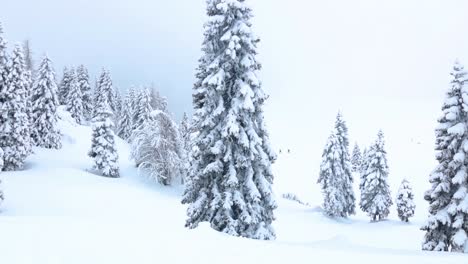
{"x":57,"y":212}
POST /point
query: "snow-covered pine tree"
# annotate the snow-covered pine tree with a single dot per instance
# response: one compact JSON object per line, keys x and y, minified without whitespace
{"x":103,"y":149}
{"x":16,"y":138}
{"x":118,"y":102}
{"x":185,"y":132}
{"x":143,"y":108}
{"x":405,"y":201}
{"x":4,"y":68}
{"x":86,"y":92}
{"x":375,"y":191}
{"x":29,"y":87}
{"x":64,"y":87}
{"x":133,"y":96}
{"x":3,"y":72}
{"x":363,"y":160}
{"x":335,"y":175}
{"x":231,"y":174}
{"x":45,"y":101}
{"x":28,"y":58}
{"x":75,"y":99}
{"x":125,"y":121}
{"x":342,"y":133}
{"x":362,"y":175}
{"x":29,"y":76}
{"x":356,"y":159}
{"x":2,"y":197}
{"x":446,"y":226}
{"x":157,"y":101}
{"x":157,"y":149}
{"x":105,"y":91}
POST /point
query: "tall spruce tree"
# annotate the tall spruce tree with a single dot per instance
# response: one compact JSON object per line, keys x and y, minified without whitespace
{"x":75,"y":99}
{"x":231,"y":174}
{"x":335,"y":175}
{"x":405,"y":201}
{"x":356,"y":159}
{"x":103,"y":149}
{"x":45,"y":101}
{"x":86,"y":92}
{"x":375,"y":191}
{"x":447,"y":225}
{"x":16,"y":139}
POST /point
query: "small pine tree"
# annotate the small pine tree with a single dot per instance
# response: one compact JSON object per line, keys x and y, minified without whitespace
{"x":363,"y":160}
{"x":375,"y":196}
{"x":118,"y":103}
{"x":85,"y":88}
{"x":75,"y":99}
{"x":45,"y":101}
{"x":446,"y":228}
{"x":356,"y":160}
{"x":29,"y":87}
{"x":103,"y":149}
{"x":143,"y":110}
{"x":125,"y":122}
{"x":16,"y":138}
{"x":157,"y":101}
{"x":104,"y":92}
{"x":133,"y":97}
{"x":64,"y":87}
{"x":185,"y":132}
{"x":405,"y":201}
{"x":335,"y":174}
{"x":28,"y":58}
{"x":156,"y":148}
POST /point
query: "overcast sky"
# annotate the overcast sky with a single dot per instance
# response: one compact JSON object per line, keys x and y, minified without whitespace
{"x":384,"y":64}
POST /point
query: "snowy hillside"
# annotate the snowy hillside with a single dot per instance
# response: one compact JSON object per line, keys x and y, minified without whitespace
{"x":57,"y":212}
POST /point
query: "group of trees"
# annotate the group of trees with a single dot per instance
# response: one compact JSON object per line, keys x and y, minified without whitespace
{"x":336,"y":178}
{"x":140,"y":117}
{"x":223,"y":156}
{"x":29,"y":100}
{"x":28,"y":105}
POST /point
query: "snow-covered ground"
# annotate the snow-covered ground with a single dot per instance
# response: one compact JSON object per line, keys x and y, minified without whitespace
{"x":57,"y":212}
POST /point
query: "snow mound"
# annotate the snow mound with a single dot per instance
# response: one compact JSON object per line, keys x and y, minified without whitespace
{"x":57,"y":212}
